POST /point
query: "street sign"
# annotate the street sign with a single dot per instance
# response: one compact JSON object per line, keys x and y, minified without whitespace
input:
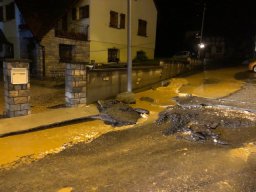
{"x":19,"y":76}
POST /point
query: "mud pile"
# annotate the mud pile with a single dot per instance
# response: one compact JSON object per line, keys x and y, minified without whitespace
{"x":202,"y":123}
{"x":117,"y":113}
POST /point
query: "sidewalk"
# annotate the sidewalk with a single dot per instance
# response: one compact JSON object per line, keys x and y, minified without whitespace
{"x":9,"y":126}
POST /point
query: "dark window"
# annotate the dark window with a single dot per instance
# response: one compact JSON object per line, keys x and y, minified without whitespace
{"x":219,"y":49}
{"x":122,"y":21}
{"x":74,"y":14}
{"x":84,"y":12}
{"x":113,"y":19}
{"x":10,"y":11}
{"x":64,"y":23}
{"x":65,"y":52}
{"x":113,"y":55}
{"x":1,"y":14}
{"x":142,"y":28}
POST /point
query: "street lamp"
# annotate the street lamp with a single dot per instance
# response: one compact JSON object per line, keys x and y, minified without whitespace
{"x":201,"y":45}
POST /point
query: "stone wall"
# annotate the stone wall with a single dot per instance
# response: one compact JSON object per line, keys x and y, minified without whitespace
{"x":16,"y":96}
{"x":53,"y":66}
{"x":75,"y":84}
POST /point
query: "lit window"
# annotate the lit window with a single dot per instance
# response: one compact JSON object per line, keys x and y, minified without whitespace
{"x":142,"y":27}
{"x":84,"y":12}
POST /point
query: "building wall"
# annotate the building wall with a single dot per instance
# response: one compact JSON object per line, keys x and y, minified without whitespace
{"x":53,"y":66}
{"x":103,"y":37}
{"x":10,"y":28}
{"x":19,"y":38}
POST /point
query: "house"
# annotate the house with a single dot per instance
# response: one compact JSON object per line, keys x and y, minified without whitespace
{"x":51,"y":33}
{"x":215,"y":47}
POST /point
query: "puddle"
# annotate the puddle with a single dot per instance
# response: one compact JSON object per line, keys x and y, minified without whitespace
{"x":211,"y":81}
{"x":220,"y":83}
{"x":66,"y":189}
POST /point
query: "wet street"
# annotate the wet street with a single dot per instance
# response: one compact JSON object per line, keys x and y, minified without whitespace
{"x":92,"y":156}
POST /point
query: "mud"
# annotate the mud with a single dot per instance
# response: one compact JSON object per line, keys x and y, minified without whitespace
{"x":116,"y":113}
{"x":211,"y":81}
{"x":143,"y":160}
{"x":202,"y":123}
{"x":147,"y":99}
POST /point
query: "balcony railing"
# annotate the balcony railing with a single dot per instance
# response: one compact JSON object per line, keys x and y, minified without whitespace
{"x":73,"y":31}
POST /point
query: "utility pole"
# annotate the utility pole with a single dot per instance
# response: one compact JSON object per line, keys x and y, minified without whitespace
{"x":202,"y":26}
{"x":129,"y":46}
{"x":201,"y":45}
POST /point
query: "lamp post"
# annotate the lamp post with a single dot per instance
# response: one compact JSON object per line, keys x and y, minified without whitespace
{"x":129,"y":47}
{"x":201,"y":44}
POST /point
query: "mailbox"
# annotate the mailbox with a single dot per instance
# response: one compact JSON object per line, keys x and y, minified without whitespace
{"x":19,"y":76}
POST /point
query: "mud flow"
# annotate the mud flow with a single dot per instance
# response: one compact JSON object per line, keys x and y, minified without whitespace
{"x":203,"y":123}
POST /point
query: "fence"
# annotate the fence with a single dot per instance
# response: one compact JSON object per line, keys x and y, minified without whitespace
{"x":108,"y":82}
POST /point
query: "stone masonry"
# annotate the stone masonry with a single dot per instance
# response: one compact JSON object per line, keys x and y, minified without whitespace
{"x":53,"y":66}
{"x":75,"y":84}
{"x":17,"y":96}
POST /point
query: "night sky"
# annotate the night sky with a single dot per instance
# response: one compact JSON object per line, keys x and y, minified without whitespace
{"x":234,"y":20}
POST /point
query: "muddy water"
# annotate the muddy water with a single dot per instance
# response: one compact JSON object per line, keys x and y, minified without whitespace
{"x":213,"y":83}
{"x":38,"y":144}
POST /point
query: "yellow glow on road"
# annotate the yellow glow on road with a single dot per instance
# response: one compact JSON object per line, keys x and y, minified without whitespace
{"x":224,"y":84}
{"x":37,"y":144}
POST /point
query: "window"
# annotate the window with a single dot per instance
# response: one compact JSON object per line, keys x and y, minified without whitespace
{"x":113,"y":55}
{"x":74,"y":14}
{"x":113,"y":19}
{"x":65,"y":52}
{"x":122,"y":21}
{"x":142,"y":28}
{"x":219,"y":49}
{"x":1,"y":14}
{"x":10,"y":11}
{"x":84,"y":12}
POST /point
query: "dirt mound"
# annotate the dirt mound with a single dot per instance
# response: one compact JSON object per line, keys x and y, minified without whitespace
{"x":117,"y":113}
{"x":201,"y":123}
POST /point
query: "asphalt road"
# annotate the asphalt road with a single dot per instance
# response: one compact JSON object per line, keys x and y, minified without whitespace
{"x":142,"y":159}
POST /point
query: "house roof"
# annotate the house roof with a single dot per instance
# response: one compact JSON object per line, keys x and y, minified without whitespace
{"x":42,"y":15}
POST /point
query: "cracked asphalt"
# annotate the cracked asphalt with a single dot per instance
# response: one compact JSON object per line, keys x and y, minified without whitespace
{"x":143,"y":159}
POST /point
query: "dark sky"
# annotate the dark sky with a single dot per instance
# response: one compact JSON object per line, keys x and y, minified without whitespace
{"x":233,"y":19}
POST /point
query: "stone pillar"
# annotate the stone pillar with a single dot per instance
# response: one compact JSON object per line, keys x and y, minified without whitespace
{"x":75,"y":84}
{"x":16,"y":87}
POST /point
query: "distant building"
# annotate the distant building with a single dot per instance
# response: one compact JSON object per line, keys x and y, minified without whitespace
{"x":215,"y":47}
{"x":51,"y":33}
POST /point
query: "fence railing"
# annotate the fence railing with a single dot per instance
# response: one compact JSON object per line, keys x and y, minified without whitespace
{"x":73,"y":31}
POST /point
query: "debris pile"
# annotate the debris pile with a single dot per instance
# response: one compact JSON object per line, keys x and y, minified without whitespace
{"x":117,"y":113}
{"x":201,"y":123}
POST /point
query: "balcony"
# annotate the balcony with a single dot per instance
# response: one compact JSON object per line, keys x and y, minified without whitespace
{"x":72,"y":31}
